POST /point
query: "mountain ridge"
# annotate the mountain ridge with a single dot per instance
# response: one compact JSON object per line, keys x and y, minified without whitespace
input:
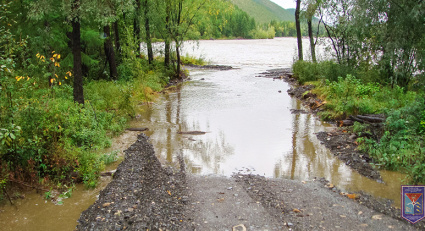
{"x":264,"y":11}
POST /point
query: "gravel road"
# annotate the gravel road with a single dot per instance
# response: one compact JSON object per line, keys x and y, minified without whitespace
{"x":146,"y":196}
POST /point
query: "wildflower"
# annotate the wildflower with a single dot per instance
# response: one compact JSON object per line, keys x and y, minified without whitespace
{"x":69,"y":73}
{"x":59,"y":56}
{"x":60,"y":83}
{"x":55,"y":55}
{"x":57,"y":64}
{"x":66,"y":77}
{"x":52,"y":59}
{"x":28,"y":78}
{"x":51,"y":80}
{"x":56,"y":76}
{"x":38,"y":55}
{"x":53,"y":52}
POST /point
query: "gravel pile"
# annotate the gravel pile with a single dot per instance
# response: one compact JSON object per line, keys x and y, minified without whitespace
{"x":142,"y":196}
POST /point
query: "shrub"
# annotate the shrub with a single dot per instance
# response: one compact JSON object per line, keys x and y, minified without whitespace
{"x":402,"y":145}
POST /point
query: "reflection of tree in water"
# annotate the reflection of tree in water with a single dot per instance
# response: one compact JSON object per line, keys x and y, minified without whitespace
{"x":199,"y":152}
{"x":207,"y":153}
{"x":308,"y":158}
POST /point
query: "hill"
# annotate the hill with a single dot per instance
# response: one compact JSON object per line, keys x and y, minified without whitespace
{"x":263,"y":11}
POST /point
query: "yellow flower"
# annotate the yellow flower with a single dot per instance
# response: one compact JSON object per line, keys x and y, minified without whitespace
{"x":42,"y":57}
{"x":53,"y":52}
{"x":52,"y":59}
{"x":38,"y":55}
{"x":60,"y":83}
{"x":57,"y":64}
{"x":51,"y":80}
{"x":66,"y":77}
{"x":59,"y":56}
{"x":69,"y":73}
{"x":28,"y":78}
{"x":54,"y":56}
{"x":56,"y":76}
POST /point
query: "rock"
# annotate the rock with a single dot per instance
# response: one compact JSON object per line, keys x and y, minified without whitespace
{"x":296,"y":210}
{"x":377,"y":217}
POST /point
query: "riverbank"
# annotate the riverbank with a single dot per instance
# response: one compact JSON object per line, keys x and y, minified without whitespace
{"x":145,"y":195}
{"x":341,"y":142}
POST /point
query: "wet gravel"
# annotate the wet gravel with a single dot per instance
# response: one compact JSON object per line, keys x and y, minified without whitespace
{"x":142,"y":195}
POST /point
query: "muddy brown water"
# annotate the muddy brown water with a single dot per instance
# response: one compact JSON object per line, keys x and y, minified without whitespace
{"x":249,"y":129}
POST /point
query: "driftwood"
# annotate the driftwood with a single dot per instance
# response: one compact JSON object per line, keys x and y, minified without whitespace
{"x":375,"y":120}
{"x":191,"y":133}
{"x":137,"y":129}
{"x":346,"y":123}
{"x":365,"y":119}
{"x":109,"y":173}
{"x":372,"y":119}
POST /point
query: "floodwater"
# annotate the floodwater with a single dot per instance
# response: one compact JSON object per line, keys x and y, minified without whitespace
{"x":248,"y":124}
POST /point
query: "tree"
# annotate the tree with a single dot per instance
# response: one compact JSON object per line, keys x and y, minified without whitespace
{"x":76,"y":52}
{"x":148,"y":31}
{"x":298,"y":26}
{"x":312,"y":6}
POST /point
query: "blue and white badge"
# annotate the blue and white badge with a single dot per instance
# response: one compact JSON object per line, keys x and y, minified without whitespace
{"x":412,"y":202}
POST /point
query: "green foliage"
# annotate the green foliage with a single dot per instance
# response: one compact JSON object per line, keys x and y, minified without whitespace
{"x":306,"y":71}
{"x":260,"y":33}
{"x":402,"y":145}
{"x":190,"y":60}
{"x":350,"y":96}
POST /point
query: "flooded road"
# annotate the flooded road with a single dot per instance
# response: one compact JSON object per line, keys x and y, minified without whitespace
{"x":249,"y":129}
{"x":248,"y":123}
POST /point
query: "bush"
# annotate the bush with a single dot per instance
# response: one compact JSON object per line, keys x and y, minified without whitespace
{"x":350,"y":96}
{"x":402,"y":145}
{"x":306,"y":71}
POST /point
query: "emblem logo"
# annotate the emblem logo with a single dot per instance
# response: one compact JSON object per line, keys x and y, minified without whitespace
{"x":412,"y":202}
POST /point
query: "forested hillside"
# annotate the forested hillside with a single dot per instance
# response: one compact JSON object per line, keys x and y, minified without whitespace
{"x":264,"y":11}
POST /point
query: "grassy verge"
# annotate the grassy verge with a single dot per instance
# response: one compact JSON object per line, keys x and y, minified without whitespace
{"x":402,"y":146}
{"x":46,"y":139}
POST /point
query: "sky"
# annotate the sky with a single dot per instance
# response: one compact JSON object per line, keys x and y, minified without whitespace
{"x":285,"y":3}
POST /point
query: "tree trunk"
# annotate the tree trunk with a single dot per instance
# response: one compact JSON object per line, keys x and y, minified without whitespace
{"x":110,"y":54}
{"x":148,"y":33}
{"x":76,"y":52}
{"x":167,"y":40}
{"x":310,"y":35}
{"x":167,"y":53}
{"x":136,"y":27}
{"x":298,"y":26}
{"x":178,"y":61}
{"x":117,"y":37}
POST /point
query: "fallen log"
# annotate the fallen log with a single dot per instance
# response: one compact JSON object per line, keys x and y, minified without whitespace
{"x":137,"y":129}
{"x":191,"y":133}
{"x":346,"y":123}
{"x":372,"y":119}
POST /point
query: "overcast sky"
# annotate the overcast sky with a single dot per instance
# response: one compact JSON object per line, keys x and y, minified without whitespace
{"x":285,"y":3}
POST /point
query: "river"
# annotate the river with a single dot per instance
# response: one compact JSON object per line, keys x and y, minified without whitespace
{"x":249,"y":128}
